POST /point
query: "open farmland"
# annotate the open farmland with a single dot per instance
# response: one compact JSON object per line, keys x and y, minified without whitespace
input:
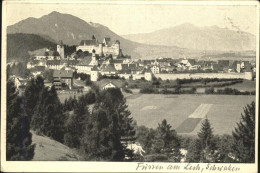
{"x":223,"y":111}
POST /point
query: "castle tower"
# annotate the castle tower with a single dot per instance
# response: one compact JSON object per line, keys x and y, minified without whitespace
{"x":117,"y":48}
{"x":60,"y":49}
{"x":94,"y":74}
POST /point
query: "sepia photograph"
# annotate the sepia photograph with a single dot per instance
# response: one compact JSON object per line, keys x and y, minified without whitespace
{"x":129,"y":86}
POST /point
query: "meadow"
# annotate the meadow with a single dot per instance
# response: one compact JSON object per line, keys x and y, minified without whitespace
{"x":185,"y":112}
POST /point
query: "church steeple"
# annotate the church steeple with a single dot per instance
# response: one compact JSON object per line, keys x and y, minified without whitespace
{"x":94,"y":60}
{"x":60,"y":43}
{"x":60,"y":49}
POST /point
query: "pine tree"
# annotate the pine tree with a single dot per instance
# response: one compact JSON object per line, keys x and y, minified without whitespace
{"x":118,"y":128}
{"x":206,"y":134}
{"x":114,"y":102}
{"x":244,"y":136}
{"x":31,"y":95}
{"x":18,"y":137}
{"x":76,"y":124}
{"x":207,"y":141}
{"x":167,"y":142}
{"x":102,"y":137}
{"x":48,"y":116}
{"x":56,"y":126}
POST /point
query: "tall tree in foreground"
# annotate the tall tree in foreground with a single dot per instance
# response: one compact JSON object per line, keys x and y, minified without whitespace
{"x":167,"y":142}
{"x":31,"y":95}
{"x":203,"y":148}
{"x":102,"y":137}
{"x":244,"y":136}
{"x":48,"y":118}
{"x":18,"y":137}
{"x":76,"y":124}
{"x":207,"y":141}
{"x":110,"y":128}
{"x":114,"y":102}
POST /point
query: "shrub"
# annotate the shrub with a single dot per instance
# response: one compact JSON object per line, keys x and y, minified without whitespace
{"x":209,"y":90}
{"x":127,"y":90}
{"x":166,"y":91}
{"x":155,"y":158}
{"x":149,"y":90}
{"x":193,"y":90}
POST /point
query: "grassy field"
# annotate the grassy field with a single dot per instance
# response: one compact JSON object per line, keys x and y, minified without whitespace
{"x":151,"y":109}
{"x":50,"y":150}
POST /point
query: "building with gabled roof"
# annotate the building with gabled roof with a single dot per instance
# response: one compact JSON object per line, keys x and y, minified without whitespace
{"x":62,"y":78}
{"x":108,"y":83}
{"x":108,"y":70}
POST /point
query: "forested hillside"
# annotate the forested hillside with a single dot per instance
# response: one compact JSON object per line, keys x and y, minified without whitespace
{"x":19,"y":44}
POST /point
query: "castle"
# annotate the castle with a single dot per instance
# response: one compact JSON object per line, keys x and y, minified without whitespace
{"x":105,"y":48}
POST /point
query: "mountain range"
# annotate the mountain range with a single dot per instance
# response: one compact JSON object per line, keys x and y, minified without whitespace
{"x":199,"y":38}
{"x":58,"y":26}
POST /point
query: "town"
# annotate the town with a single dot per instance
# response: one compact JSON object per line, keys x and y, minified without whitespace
{"x":130,"y":88}
{"x":105,"y":59}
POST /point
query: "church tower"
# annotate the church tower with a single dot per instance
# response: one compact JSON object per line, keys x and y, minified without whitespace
{"x":94,"y":60}
{"x":60,"y":49}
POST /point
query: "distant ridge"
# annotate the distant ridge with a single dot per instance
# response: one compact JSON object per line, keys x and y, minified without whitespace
{"x":58,"y":26}
{"x":68,"y":28}
{"x":199,"y":38}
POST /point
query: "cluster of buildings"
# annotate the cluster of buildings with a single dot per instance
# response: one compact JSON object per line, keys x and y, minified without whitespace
{"x":105,"y":48}
{"x":168,"y":65}
{"x":104,"y":58}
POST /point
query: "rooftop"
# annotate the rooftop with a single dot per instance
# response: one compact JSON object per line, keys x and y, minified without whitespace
{"x":62,"y":74}
{"x":88,"y":42}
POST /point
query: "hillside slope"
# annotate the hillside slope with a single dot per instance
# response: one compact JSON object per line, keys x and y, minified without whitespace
{"x":198,"y":38}
{"x":19,"y":44}
{"x":50,"y":150}
{"x":68,"y":28}
{"x":57,"y":26}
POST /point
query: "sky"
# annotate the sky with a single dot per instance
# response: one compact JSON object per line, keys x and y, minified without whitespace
{"x":142,"y":18}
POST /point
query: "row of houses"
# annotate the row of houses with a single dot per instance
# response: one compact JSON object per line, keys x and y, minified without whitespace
{"x":186,"y":65}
